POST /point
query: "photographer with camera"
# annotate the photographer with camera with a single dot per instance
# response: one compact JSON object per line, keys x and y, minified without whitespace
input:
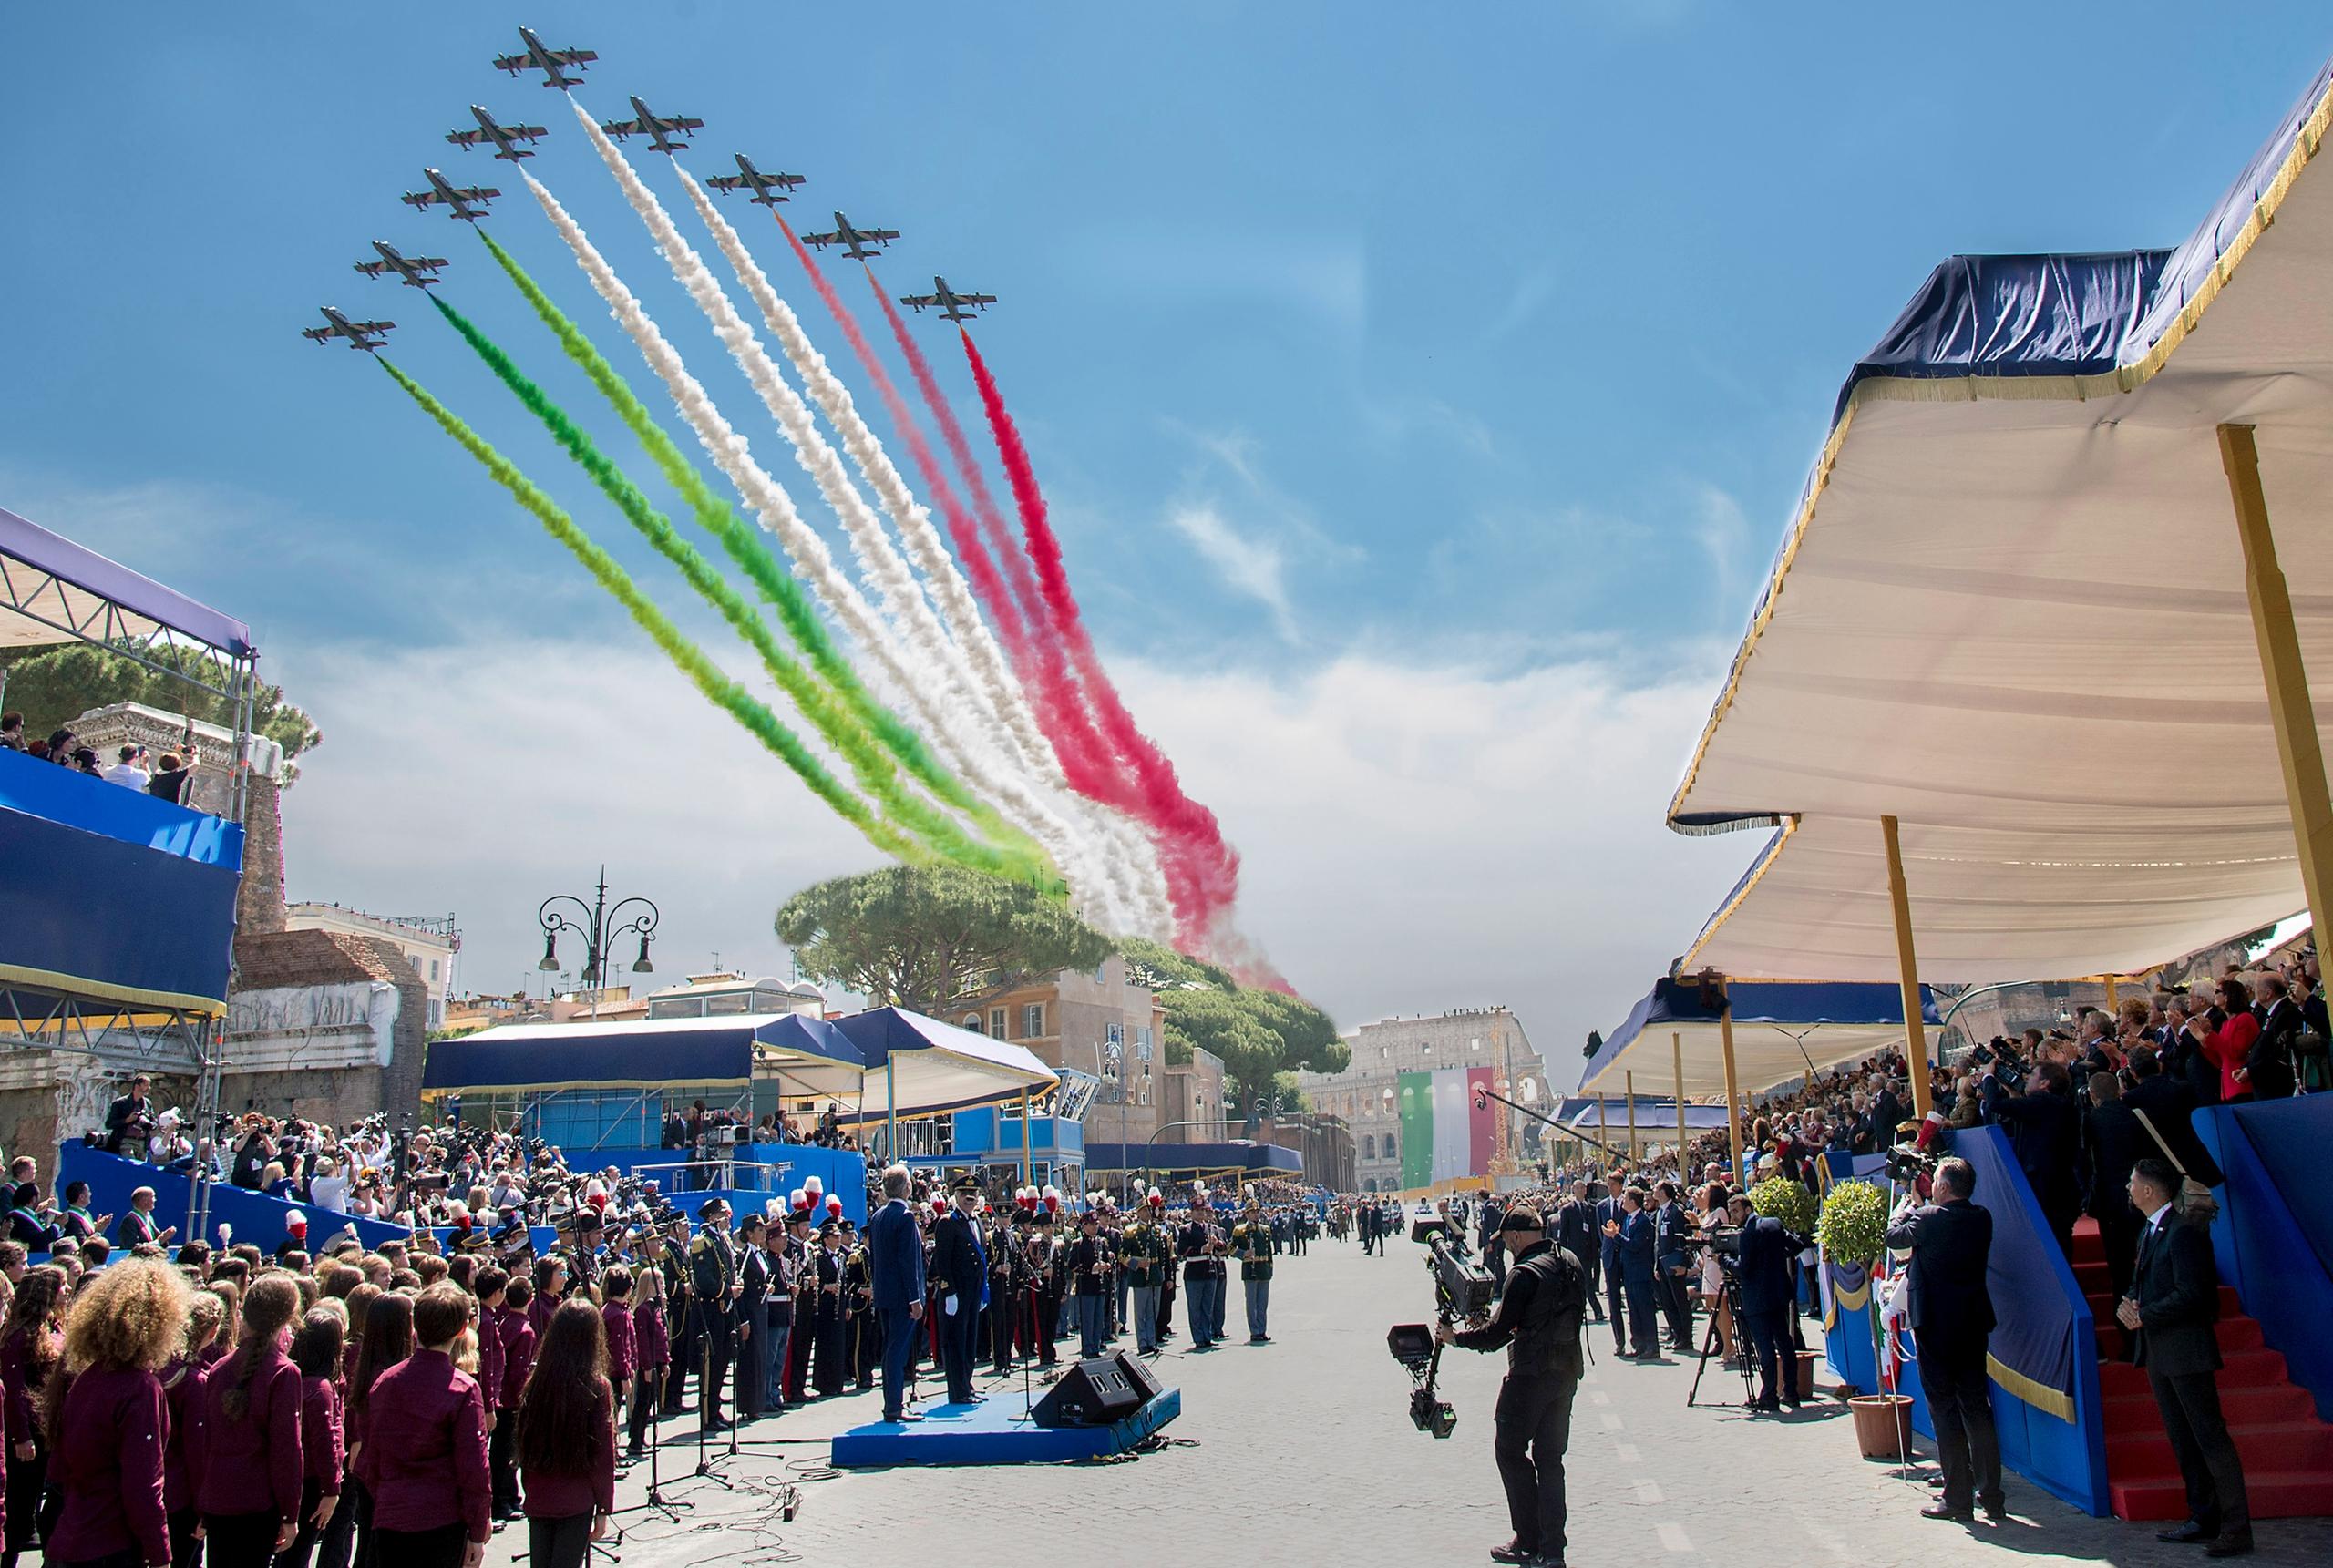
{"x":1951,"y":1242}
{"x":1537,"y":1323}
{"x":1761,"y":1267}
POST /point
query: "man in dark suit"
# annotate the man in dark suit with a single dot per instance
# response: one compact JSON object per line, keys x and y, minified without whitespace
{"x":1609,"y":1213}
{"x":129,"y":1120}
{"x":2045,"y":1128}
{"x":2171,"y":1314}
{"x":1762,"y":1270}
{"x":1633,"y":1233}
{"x":2116,"y":1141}
{"x":895,"y":1256}
{"x":1673,"y":1239}
{"x":2268,"y":1065}
{"x":2166,"y":1104}
{"x":1575,"y":1231}
{"x":960,"y":1274}
{"x":1952,"y":1320}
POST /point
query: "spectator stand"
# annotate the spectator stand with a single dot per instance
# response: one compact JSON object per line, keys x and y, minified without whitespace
{"x":118,"y":943}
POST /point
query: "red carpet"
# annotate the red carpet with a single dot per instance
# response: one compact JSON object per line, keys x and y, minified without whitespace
{"x":2288,"y":1451}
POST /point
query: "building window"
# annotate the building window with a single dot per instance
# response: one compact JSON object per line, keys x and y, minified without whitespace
{"x":996,"y":1023}
{"x":1370,"y":1185}
{"x":972,"y":1022}
{"x":1387,"y":1146}
{"x":433,"y":971}
{"x":1368,"y":1147}
{"x":1474,"y":1044}
{"x":1033,"y":1021}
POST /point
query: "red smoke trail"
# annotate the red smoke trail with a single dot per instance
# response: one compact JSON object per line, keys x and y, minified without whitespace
{"x":1202,"y":870}
{"x":1054,"y":694}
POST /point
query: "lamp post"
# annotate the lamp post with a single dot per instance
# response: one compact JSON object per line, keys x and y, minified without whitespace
{"x":602,"y":925}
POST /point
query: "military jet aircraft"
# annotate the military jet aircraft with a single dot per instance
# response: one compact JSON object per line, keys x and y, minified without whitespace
{"x":414,"y":271}
{"x":536,"y":58}
{"x":468,"y":201}
{"x":659,"y":132}
{"x":505,"y":137}
{"x":854,"y":241}
{"x":748,"y":178}
{"x":951,"y":304}
{"x":360,"y":334}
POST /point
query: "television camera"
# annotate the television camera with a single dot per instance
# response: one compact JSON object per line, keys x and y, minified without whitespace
{"x":1463,"y":1289}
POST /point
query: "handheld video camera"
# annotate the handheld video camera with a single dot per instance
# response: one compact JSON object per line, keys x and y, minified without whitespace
{"x":1462,"y":1293}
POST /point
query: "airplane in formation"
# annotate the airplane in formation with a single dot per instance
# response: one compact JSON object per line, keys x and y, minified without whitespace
{"x":414,"y":271}
{"x":366,"y":336}
{"x":659,"y":132}
{"x":505,"y":137}
{"x":535,"y":56}
{"x":748,"y":178}
{"x":951,"y":304}
{"x":468,"y":201}
{"x":854,"y":241}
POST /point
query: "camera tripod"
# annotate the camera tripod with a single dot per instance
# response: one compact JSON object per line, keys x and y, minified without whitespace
{"x":1729,"y":1297}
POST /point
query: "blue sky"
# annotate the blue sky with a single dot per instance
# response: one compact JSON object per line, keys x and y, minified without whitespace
{"x":1474,"y":352}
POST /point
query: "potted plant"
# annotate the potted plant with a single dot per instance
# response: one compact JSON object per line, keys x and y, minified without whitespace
{"x":1788,"y":1201}
{"x":1852,"y":1229}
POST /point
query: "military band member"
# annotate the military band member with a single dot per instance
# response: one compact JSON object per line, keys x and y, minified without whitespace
{"x":1044,"y":1290}
{"x":862,"y":1327}
{"x":1200,"y":1246}
{"x":679,"y":1314}
{"x":803,"y":1341}
{"x":1090,"y":1265}
{"x":754,"y":1277}
{"x":714,"y":1287}
{"x":1149,"y":1265}
{"x":1004,"y":1249}
{"x":829,"y":1371}
{"x":1253,"y":1240}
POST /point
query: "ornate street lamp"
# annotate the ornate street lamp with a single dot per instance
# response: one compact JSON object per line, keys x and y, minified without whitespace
{"x":600,"y":927}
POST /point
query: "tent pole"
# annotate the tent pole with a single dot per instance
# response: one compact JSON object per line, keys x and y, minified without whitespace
{"x":2280,"y":665}
{"x":1024,"y":1137}
{"x":891,"y":1109}
{"x":1676,"y":1059}
{"x":1915,"y":1038}
{"x":1733,"y":1091}
{"x":2110,"y":995}
{"x":1630,"y":1081}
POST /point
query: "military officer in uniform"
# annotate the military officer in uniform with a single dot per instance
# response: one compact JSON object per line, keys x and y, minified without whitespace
{"x":1199,"y":1247}
{"x":714,"y":1287}
{"x":959,"y":1281}
{"x":1252,"y":1240}
{"x":1150,"y":1263}
{"x":680,"y":1316}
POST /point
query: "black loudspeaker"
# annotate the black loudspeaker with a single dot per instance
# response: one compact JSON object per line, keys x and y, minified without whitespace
{"x":1094,"y":1393}
{"x":1136,"y":1370}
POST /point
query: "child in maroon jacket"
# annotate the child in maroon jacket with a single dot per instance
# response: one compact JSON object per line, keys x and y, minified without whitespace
{"x":518,"y":1360}
{"x":245,"y":1453}
{"x":323,"y":1444}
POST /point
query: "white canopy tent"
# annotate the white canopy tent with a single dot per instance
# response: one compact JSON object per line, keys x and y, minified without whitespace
{"x":2016,"y":614}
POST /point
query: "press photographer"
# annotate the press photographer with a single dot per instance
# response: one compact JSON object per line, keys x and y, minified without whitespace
{"x":1761,"y":1276}
{"x":1537,"y":1322}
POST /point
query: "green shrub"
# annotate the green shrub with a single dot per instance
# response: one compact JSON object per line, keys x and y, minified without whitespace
{"x":1854,"y":1226}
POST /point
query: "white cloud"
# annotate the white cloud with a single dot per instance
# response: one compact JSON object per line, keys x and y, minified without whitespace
{"x":1249,"y":565}
{"x":1416,"y":835}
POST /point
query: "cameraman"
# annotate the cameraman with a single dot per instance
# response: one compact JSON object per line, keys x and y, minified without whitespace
{"x":1761,"y":1274}
{"x":1537,"y":1321}
{"x":1952,"y":1316}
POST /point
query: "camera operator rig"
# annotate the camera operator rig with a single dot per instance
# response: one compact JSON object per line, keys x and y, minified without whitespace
{"x":1463,"y":1289}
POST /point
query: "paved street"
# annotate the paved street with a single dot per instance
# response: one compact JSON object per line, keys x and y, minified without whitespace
{"x":1302,"y":1453}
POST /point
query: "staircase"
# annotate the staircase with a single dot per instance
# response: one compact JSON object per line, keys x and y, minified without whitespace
{"x":2287,"y":1452}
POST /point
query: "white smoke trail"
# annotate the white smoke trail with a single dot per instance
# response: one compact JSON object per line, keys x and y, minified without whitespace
{"x":1133,"y":858}
{"x":774,"y":511}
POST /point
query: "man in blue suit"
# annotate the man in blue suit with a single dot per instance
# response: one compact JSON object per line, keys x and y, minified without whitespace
{"x":959,"y":1270}
{"x":1609,"y":1213}
{"x":1634,"y":1233}
{"x":1762,"y":1271}
{"x":895,"y":1253}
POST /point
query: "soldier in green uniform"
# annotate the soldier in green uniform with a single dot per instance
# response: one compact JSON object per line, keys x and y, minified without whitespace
{"x":714,"y":1285}
{"x":1150,"y":1263}
{"x":1252,"y":1243}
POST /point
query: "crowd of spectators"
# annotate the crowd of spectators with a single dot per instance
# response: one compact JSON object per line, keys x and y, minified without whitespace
{"x":133,"y":767}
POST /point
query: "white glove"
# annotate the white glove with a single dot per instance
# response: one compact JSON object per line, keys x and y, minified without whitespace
{"x":951,"y":1306}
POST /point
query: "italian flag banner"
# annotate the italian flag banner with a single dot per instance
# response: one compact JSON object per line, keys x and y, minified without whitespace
{"x":1444,"y":1135}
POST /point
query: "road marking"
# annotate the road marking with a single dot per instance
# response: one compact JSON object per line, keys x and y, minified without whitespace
{"x":1627,"y":1453}
{"x":1673,"y":1537}
{"x":1648,"y":1491}
{"x":1611,"y":1422}
{"x":1600,"y":1399}
{"x":1823,"y":1535}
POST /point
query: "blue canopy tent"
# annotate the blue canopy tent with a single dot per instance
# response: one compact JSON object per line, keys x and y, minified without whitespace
{"x":1782,"y":1029}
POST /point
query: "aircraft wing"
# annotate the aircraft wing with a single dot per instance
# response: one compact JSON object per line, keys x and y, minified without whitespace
{"x":420,"y":197}
{"x":514,"y":64}
{"x":373,"y":268}
{"x":571,"y":56}
{"x":820,"y":240}
{"x":466,"y":137}
{"x":622,"y":126}
{"x":920,"y":300}
{"x":477,"y":193}
{"x":727,"y":183}
{"x":684,"y":123}
{"x":879,"y":233}
{"x":318,"y":333}
{"x":976,"y":299}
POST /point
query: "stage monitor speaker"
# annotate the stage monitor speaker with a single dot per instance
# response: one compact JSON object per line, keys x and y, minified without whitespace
{"x":1138,"y":1372}
{"x":1094,"y":1393}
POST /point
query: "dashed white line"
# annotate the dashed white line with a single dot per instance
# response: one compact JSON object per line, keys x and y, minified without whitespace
{"x":1611,"y":1422}
{"x":1627,"y":1453}
{"x":1648,"y":1491}
{"x":1673,"y":1537}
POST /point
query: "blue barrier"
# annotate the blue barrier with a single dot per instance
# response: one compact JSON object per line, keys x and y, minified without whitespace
{"x":264,"y":1220}
{"x":2271,"y":1153}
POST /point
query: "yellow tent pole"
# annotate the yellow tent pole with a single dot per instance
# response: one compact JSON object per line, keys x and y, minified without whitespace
{"x":1629,"y":1078}
{"x":2110,"y":995}
{"x":1676,"y":1059}
{"x":1733,"y":1091}
{"x":2298,"y":748}
{"x":1024,"y":1138}
{"x":1916,"y":1034}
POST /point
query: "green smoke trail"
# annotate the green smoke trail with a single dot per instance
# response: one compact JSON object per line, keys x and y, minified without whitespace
{"x":870,"y":763}
{"x":743,"y":545}
{"x":693,"y":661}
